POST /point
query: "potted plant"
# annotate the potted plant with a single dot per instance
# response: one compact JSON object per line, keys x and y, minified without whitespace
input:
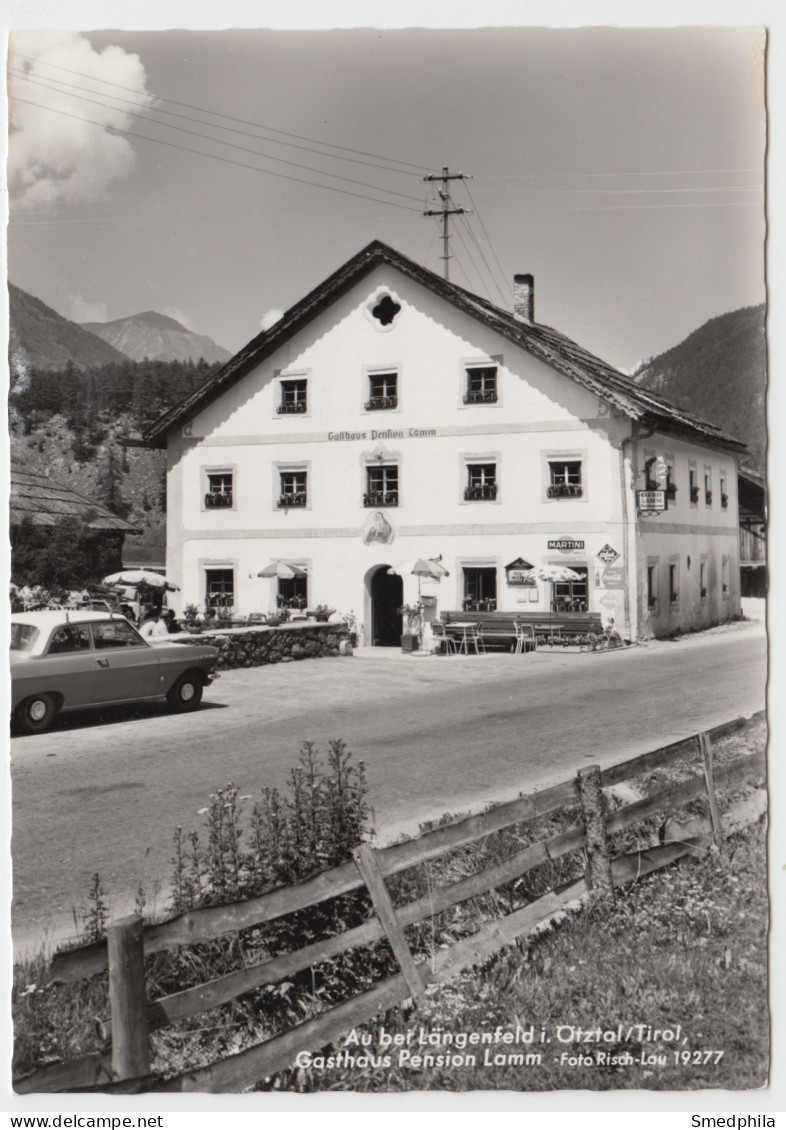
{"x":322,"y":613}
{"x":350,"y":623}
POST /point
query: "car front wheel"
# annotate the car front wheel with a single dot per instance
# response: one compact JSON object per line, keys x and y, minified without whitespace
{"x":186,"y":694}
{"x":37,"y":713}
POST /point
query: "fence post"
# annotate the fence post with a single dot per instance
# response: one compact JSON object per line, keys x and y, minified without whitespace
{"x":386,"y":913}
{"x":591,"y":798}
{"x":705,"y":745}
{"x":128,"y":998}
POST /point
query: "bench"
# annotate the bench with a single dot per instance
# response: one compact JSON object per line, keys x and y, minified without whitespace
{"x":562,"y":629}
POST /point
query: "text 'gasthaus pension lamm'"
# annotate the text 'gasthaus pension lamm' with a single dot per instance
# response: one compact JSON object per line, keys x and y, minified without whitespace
{"x":419,"y":1048}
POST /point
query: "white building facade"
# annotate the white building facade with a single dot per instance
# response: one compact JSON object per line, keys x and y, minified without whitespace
{"x":391,"y":416}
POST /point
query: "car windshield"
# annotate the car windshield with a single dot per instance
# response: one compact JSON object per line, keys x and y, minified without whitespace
{"x":23,"y":637}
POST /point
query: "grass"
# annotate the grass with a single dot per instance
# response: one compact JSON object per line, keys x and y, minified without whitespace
{"x":686,"y":946}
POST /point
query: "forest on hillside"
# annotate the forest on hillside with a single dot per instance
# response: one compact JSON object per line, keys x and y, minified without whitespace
{"x":69,"y":423}
{"x":140,"y":390}
{"x":719,"y":372}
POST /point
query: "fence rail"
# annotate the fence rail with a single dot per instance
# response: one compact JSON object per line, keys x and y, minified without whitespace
{"x":133,"y":1017}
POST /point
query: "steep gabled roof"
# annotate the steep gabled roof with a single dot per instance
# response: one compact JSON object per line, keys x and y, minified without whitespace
{"x":34,"y":495}
{"x":540,"y":341}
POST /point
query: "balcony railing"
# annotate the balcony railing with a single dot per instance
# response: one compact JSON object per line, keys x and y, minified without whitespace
{"x":215,"y":499}
{"x":480,"y":396}
{"x":291,"y":407}
{"x":379,"y":403}
{"x":380,"y":498}
{"x":564,"y":490}
{"x":488,"y":491}
{"x":291,"y":498}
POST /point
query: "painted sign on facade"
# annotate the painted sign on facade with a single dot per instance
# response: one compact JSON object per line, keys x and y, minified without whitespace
{"x":652,"y":499}
{"x":564,"y":545}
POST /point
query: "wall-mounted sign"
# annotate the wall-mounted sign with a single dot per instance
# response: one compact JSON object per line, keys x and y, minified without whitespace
{"x":651,"y":499}
{"x":520,"y":572}
{"x":660,"y":472}
{"x":608,"y":554}
{"x":613,"y":578}
{"x":565,"y":545}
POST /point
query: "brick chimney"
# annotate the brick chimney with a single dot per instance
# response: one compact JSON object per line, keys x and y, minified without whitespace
{"x":524,"y":297}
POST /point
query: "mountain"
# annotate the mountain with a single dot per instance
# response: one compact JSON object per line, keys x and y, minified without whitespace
{"x":158,"y":338}
{"x":719,"y":372}
{"x":40,"y":338}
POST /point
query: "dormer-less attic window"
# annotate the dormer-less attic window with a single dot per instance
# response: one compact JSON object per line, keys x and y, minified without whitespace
{"x":481,"y":385}
{"x":385,"y":310}
{"x":293,"y":396}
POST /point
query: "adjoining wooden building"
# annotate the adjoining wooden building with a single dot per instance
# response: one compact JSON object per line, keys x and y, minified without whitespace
{"x":43,"y":501}
{"x":391,"y":415}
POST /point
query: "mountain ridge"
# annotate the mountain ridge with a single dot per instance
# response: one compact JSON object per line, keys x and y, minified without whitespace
{"x":719,"y":372}
{"x":157,"y":337}
{"x":41,"y":338}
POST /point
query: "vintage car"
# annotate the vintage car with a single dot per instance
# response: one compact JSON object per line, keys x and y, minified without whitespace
{"x":71,"y":659}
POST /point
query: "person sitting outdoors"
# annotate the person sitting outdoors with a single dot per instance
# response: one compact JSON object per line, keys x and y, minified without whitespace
{"x":155,"y":625}
{"x":169,"y":619}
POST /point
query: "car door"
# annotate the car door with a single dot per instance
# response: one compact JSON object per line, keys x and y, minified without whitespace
{"x":68,"y":665}
{"x":126,"y":666}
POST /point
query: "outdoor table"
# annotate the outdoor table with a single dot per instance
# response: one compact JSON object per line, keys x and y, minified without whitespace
{"x":461,"y":629}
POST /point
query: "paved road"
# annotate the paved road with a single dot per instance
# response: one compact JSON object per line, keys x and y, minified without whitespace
{"x":437,"y":734}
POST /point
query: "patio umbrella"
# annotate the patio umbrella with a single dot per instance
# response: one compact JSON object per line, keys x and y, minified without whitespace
{"x":281,"y":570}
{"x":140,"y":577}
{"x":556,"y":573}
{"x":421,"y":567}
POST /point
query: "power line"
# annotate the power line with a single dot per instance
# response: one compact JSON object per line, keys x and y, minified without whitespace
{"x":220,"y":141}
{"x":445,"y":177}
{"x":210,"y":125}
{"x":502,"y":293}
{"x":651,"y":173}
{"x":223,"y":160}
{"x":218,"y":114}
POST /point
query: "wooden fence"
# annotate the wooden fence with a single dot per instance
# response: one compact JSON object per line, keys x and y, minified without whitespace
{"x":125,"y":1068}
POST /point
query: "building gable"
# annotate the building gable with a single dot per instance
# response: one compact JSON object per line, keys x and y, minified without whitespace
{"x":541,"y":342}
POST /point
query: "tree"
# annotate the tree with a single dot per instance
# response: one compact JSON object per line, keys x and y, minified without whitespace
{"x":67,"y":555}
{"x":108,"y":485}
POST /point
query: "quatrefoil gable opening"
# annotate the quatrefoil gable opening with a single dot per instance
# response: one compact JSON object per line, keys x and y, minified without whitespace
{"x":384,"y":309}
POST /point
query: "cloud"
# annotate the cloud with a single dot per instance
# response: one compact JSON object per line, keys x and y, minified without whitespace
{"x":55,"y":156}
{"x":179,"y":316}
{"x":81,"y":310}
{"x":270,"y":318}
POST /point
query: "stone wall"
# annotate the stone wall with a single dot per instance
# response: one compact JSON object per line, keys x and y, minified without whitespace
{"x":256,"y":647}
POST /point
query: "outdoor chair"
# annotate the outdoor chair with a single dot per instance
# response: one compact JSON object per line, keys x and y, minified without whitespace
{"x":443,"y":638}
{"x":474,"y":638}
{"x":525,"y":637}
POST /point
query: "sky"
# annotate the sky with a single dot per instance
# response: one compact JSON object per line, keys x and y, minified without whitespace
{"x":622,"y":167}
{"x":616,"y":150}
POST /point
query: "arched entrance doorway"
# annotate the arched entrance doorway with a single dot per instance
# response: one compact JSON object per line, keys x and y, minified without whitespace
{"x":387,"y":596}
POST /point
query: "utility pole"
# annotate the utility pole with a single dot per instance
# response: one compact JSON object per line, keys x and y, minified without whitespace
{"x":446,"y":210}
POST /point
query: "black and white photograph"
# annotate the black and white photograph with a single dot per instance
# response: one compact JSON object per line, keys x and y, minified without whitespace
{"x":388,"y":571}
